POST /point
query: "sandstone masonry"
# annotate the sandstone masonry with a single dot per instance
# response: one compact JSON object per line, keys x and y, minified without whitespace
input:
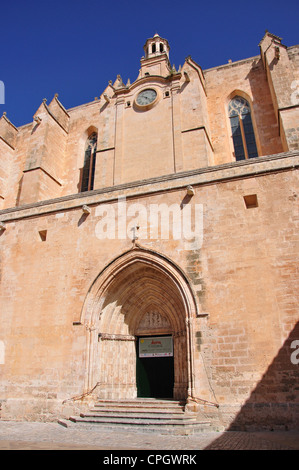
{"x":77,"y":295}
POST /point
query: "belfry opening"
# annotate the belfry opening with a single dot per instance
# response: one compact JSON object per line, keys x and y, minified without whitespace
{"x":139,"y":338}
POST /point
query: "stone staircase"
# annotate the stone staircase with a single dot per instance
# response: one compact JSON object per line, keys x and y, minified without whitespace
{"x":140,"y":414}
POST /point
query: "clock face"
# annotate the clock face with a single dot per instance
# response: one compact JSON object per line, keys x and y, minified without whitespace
{"x":146,"y":97}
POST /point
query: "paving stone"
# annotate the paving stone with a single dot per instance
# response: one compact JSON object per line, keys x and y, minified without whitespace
{"x":52,"y":436}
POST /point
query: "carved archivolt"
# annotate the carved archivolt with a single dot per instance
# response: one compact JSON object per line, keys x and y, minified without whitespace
{"x":140,"y":293}
{"x":169,"y":272}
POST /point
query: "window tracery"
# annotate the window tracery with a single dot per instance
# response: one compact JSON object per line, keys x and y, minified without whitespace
{"x":242,"y":129}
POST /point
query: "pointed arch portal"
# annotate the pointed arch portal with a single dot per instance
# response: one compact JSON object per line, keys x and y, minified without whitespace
{"x":139,"y":294}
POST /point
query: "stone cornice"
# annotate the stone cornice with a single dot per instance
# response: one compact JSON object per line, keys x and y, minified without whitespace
{"x":155,"y":58}
{"x":210,"y":175}
{"x":148,"y":79}
{"x":232,"y":64}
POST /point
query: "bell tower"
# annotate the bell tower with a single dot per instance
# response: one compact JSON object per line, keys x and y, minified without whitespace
{"x":156,"y":46}
{"x":156,"y":58}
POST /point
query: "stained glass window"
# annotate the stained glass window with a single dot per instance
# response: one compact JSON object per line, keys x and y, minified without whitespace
{"x":242,"y":128}
{"x":89,"y":163}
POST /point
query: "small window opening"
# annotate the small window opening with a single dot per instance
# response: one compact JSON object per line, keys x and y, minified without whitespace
{"x":161,"y":47}
{"x":43,"y":235}
{"x":153,"y":48}
{"x":89,"y":163}
{"x":166,"y":93}
{"x":251,"y":201}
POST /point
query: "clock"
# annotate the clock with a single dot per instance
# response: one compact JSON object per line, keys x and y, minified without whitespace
{"x":146,"y":97}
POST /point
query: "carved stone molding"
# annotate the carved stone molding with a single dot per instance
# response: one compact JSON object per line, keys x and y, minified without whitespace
{"x":109,"y":337}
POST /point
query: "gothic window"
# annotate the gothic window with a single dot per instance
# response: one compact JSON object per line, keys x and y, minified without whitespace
{"x":89,"y":163}
{"x":242,"y":128}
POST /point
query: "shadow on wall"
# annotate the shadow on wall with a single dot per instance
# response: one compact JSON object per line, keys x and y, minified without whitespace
{"x":274,"y":403}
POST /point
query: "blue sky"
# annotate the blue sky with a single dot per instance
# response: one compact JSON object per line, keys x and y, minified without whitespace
{"x":74,"y":48}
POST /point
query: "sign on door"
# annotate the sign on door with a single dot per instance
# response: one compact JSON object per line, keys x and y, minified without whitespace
{"x":157,"y":346}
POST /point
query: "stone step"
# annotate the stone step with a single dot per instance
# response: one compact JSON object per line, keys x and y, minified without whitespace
{"x":146,"y":402}
{"x":131,"y":420}
{"x":166,"y":416}
{"x":140,"y":405}
{"x":137,"y":411}
{"x":161,"y":428}
{"x":139,"y":416}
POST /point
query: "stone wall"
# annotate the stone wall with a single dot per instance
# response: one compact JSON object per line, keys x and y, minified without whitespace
{"x":243,"y":278}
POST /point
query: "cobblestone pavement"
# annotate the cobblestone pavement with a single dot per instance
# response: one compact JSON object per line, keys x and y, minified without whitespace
{"x":52,"y":436}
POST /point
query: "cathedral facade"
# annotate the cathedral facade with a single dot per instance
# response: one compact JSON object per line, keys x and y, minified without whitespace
{"x":149,"y":243}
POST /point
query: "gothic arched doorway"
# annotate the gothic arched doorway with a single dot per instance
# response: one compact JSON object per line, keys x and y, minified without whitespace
{"x":140,"y":295}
